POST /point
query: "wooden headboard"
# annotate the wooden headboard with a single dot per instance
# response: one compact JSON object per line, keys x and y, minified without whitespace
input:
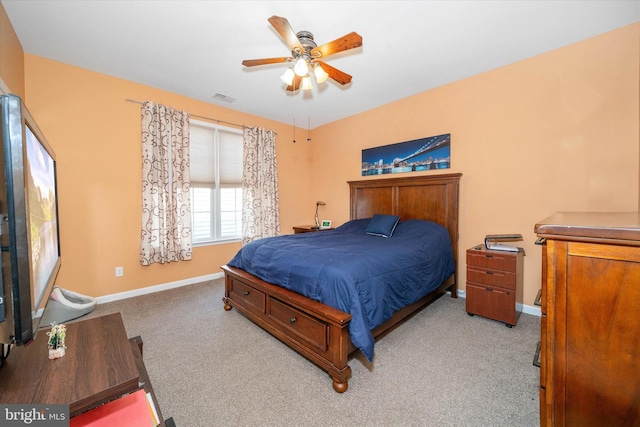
{"x":429,"y":197}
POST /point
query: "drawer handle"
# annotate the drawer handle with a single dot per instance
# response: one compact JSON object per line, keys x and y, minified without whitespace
{"x":489,"y":256}
{"x":489,"y":272}
{"x":245,"y":293}
{"x":292,"y":320}
{"x":489,"y":289}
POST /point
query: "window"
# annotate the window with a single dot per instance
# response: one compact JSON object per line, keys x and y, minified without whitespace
{"x":216,"y":182}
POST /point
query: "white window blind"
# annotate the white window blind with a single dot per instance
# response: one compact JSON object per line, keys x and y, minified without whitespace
{"x":203,"y":170}
{"x":216,"y":182}
{"x":231,"y":152}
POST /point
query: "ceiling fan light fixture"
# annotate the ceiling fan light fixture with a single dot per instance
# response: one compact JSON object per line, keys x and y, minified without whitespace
{"x":306,"y":55}
{"x":288,"y":76}
{"x":306,"y":83}
{"x":301,"y":68}
{"x":320,"y":74}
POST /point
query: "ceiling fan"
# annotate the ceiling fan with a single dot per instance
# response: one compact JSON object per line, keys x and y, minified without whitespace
{"x":307,"y":55}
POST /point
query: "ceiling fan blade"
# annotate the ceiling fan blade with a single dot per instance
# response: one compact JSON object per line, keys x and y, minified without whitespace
{"x":337,"y":75}
{"x":296,"y":84}
{"x":264,"y":61}
{"x":349,"y":41}
{"x":283,"y":28}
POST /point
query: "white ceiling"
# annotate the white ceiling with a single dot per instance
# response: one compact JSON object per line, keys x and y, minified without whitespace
{"x":195,"y":48}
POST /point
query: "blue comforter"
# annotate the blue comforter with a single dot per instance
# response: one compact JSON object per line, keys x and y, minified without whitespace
{"x":369,"y":277}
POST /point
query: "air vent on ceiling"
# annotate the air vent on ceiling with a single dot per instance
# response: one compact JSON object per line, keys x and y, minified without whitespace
{"x":225,"y":98}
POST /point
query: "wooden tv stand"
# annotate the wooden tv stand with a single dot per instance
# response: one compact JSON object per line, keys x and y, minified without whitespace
{"x":101,"y":364}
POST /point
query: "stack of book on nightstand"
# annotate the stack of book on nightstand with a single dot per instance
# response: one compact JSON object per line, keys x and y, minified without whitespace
{"x":494,"y":242}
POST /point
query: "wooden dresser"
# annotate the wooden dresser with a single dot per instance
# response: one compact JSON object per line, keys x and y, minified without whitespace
{"x":590,"y":326}
{"x":494,"y":284}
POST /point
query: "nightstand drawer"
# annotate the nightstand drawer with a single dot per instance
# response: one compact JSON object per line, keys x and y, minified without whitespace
{"x":491,"y":302}
{"x":493,"y":260}
{"x":490,"y":277}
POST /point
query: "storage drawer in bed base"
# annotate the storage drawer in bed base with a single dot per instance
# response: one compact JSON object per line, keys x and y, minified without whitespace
{"x":318,"y":332}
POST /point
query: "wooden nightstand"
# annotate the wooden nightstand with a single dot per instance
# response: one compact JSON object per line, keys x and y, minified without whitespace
{"x":494,"y":284}
{"x":308,"y":229}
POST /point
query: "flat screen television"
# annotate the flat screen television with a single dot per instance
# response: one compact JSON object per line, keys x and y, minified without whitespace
{"x":29,"y":226}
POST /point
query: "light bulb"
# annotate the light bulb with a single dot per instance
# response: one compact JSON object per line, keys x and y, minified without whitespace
{"x":287,"y":77}
{"x":301,"y":68}
{"x":306,"y":83}
{"x":321,"y":75}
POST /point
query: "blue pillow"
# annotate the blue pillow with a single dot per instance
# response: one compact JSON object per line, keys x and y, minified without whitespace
{"x":382,"y":225}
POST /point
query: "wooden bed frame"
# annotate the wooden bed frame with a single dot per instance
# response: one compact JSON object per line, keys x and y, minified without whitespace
{"x":319,"y":332}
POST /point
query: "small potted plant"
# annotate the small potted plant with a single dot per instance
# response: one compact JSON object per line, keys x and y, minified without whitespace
{"x":56,"y":342}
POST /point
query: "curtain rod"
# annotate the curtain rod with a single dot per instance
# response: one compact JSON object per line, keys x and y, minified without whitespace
{"x":196,"y":116}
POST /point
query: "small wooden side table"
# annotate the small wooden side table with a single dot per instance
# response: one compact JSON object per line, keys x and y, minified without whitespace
{"x":98,"y":367}
{"x":308,"y":229}
{"x":494,"y":284}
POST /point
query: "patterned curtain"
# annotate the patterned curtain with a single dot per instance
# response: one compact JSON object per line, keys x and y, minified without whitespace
{"x":260,"y":212}
{"x":166,"y":200}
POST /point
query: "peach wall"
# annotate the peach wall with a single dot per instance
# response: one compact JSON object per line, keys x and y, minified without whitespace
{"x":11,"y":56}
{"x":555,"y":132}
{"x":95,"y":133}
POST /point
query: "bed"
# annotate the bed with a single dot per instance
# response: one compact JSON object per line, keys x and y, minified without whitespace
{"x":321,"y":332}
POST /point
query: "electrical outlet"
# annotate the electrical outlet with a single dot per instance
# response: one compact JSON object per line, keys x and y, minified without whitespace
{"x":119,"y":271}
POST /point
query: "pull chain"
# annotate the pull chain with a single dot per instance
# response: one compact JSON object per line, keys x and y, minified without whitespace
{"x":294,"y":115}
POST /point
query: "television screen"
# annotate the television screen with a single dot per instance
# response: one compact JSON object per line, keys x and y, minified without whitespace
{"x":29,"y":222}
{"x":42,"y":216}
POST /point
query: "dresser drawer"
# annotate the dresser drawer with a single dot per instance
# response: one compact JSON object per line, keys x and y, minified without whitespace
{"x":493,"y":260}
{"x":490,"y":277}
{"x":493,"y":303}
{"x":302,"y":326}
{"x":248,"y":296}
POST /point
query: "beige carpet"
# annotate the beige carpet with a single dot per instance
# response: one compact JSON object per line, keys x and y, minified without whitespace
{"x":211,"y":368}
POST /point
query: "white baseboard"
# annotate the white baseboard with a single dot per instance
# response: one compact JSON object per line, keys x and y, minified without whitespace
{"x":158,"y":288}
{"x":528,"y":309}
{"x":533,"y":310}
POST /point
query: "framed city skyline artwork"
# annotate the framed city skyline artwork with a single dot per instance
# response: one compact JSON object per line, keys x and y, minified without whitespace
{"x":430,"y":153}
